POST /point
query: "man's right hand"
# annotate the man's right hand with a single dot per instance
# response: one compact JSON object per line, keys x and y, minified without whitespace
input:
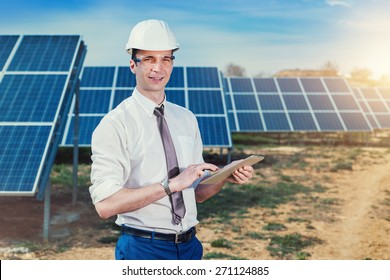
{"x":189,"y":175}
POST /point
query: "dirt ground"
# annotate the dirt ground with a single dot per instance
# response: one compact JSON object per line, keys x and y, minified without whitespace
{"x":350,"y":219}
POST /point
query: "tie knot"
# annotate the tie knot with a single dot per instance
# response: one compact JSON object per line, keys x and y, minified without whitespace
{"x":159,"y":111}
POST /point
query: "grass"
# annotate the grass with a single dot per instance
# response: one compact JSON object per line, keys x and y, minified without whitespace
{"x":284,"y":247}
{"x":341,"y":165}
{"x":225,"y":205}
{"x":222,"y":243}
{"x":219,"y":256}
{"x":274,"y":227}
{"x":256,"y":235}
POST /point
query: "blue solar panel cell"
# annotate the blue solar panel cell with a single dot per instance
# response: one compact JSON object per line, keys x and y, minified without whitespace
{"x":45,"y":53}
{"x":302,"y":121}
{"x":345,"y":102}
{"x":205,"y":102}
{"x":176,"y":96}
{"x":266,"y":85}
{"x":312,"y":85}
{"x":377,"y":106}
{"x":120,"y":95}
{"x":232,"y":121}
{"x":320,"y":102}
{"x":87,"y":125}
{"x":97,"y":77}
{"x":289,"y":85}
{"x":94,"y":101}
{"x":241,"y":85}
{"x":295,"y":102}
{"x":177,"y":78}
{"x":270,"y":102}
{"x":276,"y":122}
{"x":203,"y":77}
{"x":355,"y":121}
{"x":214,"y":131}
{"x":245,"y":102}
{"x":7,"y":43}
{"x":336,"y":85}
{"x":369,"y":93}
{"x":34,"y":98}
{"x":249,"y":122}
{"x":125,"y":78}
{"x":22,"y":150}
{"x":329,"y":122}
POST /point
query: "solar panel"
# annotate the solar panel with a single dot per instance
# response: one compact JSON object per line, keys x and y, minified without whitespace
{"x":39,"y":77}
{"x":292,"y":104}
{"x":375,"y":103}
{"x":198,"y":89}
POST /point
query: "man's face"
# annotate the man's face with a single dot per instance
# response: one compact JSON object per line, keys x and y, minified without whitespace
{"x":153,"y":70}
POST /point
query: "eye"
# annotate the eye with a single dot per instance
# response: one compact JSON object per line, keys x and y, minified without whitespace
{"x":148,"y":59}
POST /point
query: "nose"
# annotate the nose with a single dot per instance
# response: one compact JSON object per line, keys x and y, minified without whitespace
{"x":157,"y":65}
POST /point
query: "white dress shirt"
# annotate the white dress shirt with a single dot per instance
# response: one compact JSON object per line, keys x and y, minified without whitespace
{"x":127,"y":152}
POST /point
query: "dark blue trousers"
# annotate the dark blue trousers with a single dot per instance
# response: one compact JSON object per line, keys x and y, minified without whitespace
{"x":131,"y":247}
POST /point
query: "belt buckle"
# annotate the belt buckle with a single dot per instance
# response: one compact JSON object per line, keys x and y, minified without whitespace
{"x":177,"y":238}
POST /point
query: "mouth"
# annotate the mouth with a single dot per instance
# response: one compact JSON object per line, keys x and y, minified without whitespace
{"x":156,"y":78}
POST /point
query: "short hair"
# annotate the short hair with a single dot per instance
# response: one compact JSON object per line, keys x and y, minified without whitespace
{"x":134,"y":53}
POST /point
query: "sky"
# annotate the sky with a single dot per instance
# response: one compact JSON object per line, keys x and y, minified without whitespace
{"x":262,"y":36}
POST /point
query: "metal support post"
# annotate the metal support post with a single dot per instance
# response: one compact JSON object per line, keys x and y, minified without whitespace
{"x":46,"y":212}
{"x":75,"y":145}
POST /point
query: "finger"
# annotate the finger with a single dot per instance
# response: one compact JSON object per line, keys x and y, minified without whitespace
{"x":247,"y":171}
{"x":209,"y":166}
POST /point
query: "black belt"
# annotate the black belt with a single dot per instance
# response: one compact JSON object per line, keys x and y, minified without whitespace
{"x":177,"y":238}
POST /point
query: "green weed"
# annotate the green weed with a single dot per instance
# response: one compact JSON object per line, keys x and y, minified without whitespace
{"x":222,"y":243}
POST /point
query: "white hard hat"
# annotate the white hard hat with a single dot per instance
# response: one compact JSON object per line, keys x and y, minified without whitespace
{"x":152,"y":35}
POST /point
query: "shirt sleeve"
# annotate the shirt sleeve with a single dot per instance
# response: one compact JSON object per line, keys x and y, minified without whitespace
{"x":110,"y":162}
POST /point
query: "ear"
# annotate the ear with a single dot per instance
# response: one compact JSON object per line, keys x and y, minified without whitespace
{"x":132,"y":66}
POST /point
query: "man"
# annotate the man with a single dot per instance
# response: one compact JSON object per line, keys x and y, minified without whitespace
{"x":132,"y":173}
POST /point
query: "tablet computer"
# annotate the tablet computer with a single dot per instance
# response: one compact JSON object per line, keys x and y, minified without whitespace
{"x":225,"y":172}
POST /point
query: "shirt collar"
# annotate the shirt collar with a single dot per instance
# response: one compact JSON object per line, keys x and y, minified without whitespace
{"x":146,"y":104}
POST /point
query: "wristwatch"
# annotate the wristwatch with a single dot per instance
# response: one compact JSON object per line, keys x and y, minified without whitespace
{"x":165,"y":184}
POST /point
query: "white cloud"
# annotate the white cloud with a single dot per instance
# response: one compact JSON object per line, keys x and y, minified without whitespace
{"x":344,"y":3}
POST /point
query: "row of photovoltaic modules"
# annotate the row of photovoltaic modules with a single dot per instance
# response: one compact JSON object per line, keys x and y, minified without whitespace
{"x":252,"y":104}
{"x":293,"y":104}
{"x":38,"y":76}
{"x":198,"y":89}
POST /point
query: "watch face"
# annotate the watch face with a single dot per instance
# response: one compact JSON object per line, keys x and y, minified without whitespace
{"x":164,"y":182}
